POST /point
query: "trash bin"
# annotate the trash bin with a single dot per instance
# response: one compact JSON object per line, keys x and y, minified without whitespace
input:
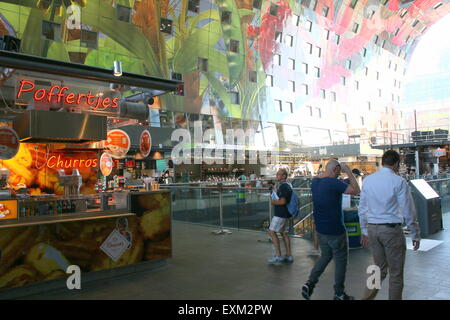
{"x":351,"y":221}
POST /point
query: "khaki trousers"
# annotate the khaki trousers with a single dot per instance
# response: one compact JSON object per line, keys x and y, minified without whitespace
{"x":388,"y":246}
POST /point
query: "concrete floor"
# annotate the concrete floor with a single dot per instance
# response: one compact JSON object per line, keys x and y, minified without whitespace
{"x":220,"y":267}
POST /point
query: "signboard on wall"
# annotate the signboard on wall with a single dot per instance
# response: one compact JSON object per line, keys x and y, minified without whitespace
{"x":8,"y":209}
{"x":117,"y":143}
{"x":106,"y":164}
{"x":145,"y":143}
{"x":9,"y":143}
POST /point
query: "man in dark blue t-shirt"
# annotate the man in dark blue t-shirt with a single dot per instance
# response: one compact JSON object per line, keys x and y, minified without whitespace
{"x":327,"y":193}
{"x":280,"y":220}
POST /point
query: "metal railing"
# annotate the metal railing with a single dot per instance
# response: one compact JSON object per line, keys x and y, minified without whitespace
{"x":232,"y":207}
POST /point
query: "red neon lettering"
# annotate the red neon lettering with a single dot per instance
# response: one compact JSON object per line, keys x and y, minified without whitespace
{"x":105,"y":103}
{"x":99,"y":100}
{"x":94,"y":163}
{"x":60,"y":163}
{"x":21,"y":89}
{"x":38,"y":96}
{"x":50,"y":93}
{"x":115,"y":105}
{"x":70,"y":99}
{"x":80,"y":96}
{"x":89,"y":97}
{"x":81,"y":162}
{"x":61,"y":93}
{"x":75,"y":163}
{"x":88,"y":163}
{"x":48,"y":162}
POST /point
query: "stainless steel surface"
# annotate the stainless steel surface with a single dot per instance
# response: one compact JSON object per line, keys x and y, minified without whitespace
{"x":134,"y":110}
{"x":51,"y":126}
{"x":71,"y":183}
{"x":33,"y":221}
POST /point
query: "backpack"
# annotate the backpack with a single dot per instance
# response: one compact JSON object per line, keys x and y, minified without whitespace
{"x":293,"y":205}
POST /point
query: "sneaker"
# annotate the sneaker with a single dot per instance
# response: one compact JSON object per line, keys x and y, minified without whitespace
{"x":288,"y":259}
{"x":275,"y":259}
{"x":307,"y":290}
{"x":343,"y":296}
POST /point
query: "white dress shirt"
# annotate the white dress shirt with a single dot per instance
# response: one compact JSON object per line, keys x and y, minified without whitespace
{"x":386,"y":198}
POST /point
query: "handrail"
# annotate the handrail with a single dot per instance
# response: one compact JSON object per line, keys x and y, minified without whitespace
{"x":301,"y":221}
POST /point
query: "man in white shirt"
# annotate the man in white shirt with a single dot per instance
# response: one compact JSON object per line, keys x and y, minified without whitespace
{"x":385,"y":203}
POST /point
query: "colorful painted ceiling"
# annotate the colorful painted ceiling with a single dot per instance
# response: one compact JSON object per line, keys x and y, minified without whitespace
{"x":277,"y":61}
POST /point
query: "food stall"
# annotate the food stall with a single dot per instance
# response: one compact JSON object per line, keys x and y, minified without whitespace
{"x":59,"y":136}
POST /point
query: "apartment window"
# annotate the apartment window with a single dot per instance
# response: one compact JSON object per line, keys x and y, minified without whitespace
{"x":423,"y":29}
{"x":370,"y":14}
{"x":269,"y":80}
{"x":356,"y":84}
{"x":348,"y":64}
{"x":336,"y":39}
{"x":369,"y":106}
{"x":386,"y":109}
{"x":317,"y":71}
{"x":310,"y":110}
{"x":395,"y":83}
{"x":277,"y":59}
{"x":355,"y":27}
{"x":384,"y":2}
{"x":226,"y":17}
{"x":398,"y":99}
{"x":323,"y":94}
{"x":393,"y":99}
{"x":313,"y":5}
{"x":397,"y":31}
{"x":296,"y":20}
{"x":399,"y":84}
{"x":318,"y":51}
{"x":407,"y":39}
{"x":257,"y":4}
{"x":367,"y":71}
{"x":353,"y":4}
{"x":194,"y":5}
{"x":343,"y":80}
{"x":333,"y":96}
{"x":403,"y":13}
{"x":165,"y":25}
{"x":379,"y":93}
{"x":305,"y":68}
{"x":378,"y":75}
{"x":376,"y":39}
{"x":364,"y":52}
{"x":437,"y":5}
{"x":203,"y":64}
{"x":325,"y":10}
{"x":310,"y":48}
{"x":327,"y":34}
{"x":289,"y":40}
{"x":252,"y":76}
{"x":177,"y":76}
{"x":278,"y":36}
{"x":51,"y":31}
{"x":390,"y":64}
{"x":291,"y":64}
{"x":274,"y":10}
{"x":308,"y":25}
{"x":291,"y":86}
{"x":344,"y":117}
{"x":383,"y":44}
{"x":305,"y":89}
{"x":290,"y":107}
{"x":234,"y":46}
{"x":319,"y":112}
{"x":89,"y":39}
{"x":362,"y":121}
{"x":395,"y":67}
{"x":123,"y":13}
{"x":279,"y":105}
{"x":415,"y":23}
{"x":235,"y":97}
{"x":380,"y":124}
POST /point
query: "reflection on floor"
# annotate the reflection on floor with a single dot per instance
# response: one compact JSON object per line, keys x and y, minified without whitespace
{"x":233,"y":266}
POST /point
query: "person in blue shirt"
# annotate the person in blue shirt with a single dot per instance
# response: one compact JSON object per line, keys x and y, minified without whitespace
{"x":327,"y":193}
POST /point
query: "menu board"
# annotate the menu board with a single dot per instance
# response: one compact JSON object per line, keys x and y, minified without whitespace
{"x":117,"y":143}
{"x":9,"y":143}
{"x":145,"y":143}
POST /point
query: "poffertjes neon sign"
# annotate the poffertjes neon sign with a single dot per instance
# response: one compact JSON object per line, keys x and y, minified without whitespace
{"x":60,"y":94}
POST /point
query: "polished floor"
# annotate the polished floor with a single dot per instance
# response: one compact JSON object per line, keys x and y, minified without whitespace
{"x":233,"y":266}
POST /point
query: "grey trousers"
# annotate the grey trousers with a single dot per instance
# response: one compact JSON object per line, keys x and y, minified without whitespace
{"x":388,"y":247}
{"x":332,"y":246}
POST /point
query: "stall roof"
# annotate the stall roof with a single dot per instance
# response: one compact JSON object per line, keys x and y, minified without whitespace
{"x":156,"y":86}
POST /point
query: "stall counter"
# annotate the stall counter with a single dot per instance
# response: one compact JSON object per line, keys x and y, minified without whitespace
{"x":43,"y":251}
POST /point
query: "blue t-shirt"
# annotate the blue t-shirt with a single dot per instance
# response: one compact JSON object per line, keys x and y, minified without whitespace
{"x":327,"y":201}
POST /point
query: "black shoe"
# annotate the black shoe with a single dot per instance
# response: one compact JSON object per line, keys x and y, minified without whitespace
{"x":343,"y":296}
{"x":307,"y":290}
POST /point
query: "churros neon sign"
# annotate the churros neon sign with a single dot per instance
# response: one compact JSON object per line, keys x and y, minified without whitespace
{"x":63,"y":94}
{"x":57,"y":162}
